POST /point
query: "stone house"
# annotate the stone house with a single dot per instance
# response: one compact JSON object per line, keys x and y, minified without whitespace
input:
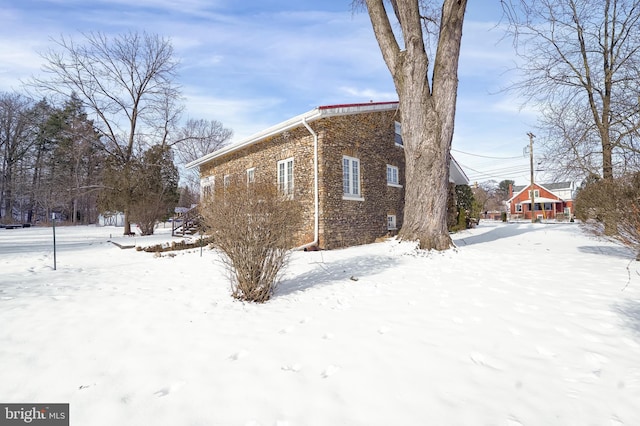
{"x":343,"y":163}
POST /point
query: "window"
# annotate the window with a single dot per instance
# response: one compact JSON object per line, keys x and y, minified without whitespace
{"x":536,"y":193}
{"x":391,"y":222}
{"x":285,"y":176}
{"x":392,"y":175}
{"x":251,"y":175}
{"x":519,"y":208}
{"x":398,"y":134}
{"x":351,"y":177}
{"x":206,"y":187}
{"x":226,"y":180}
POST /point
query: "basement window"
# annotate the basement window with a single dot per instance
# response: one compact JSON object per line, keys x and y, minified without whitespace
{"x":391,"y":222}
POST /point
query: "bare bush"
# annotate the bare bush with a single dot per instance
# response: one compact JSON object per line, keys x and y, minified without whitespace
{"x":617,"y":201}
{"x":253,"y":225}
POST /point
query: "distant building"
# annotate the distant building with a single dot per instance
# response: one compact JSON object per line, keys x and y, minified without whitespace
{"x":111,"y":219}
{"x":552,"y":201}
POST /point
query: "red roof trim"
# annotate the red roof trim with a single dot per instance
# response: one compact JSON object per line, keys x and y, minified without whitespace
{"x":356,"y":105}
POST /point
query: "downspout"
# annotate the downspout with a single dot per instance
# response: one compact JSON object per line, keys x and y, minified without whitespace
{"x":316,"y":213}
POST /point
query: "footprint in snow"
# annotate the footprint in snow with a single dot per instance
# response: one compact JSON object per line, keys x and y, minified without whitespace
{"x":293,"y":368}
{"x":330,"y":371}
{"x":328,"y":336}
{"x":239,"y":355}
{"x":168,"y":389}
{"x":514,"y":331}
{"x":287,"y":330}
{"x":513,"y":421}
{"x":383,"y":330}
{"x":482,"y":360}
{"x":596,"y":362}
{"x":543,"y":352}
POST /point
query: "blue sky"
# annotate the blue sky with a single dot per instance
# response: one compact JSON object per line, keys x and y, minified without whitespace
{"x":252,"y":64}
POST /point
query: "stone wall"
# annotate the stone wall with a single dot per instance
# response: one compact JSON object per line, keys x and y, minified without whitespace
{"x":264,"y":157}
{"x":368,"y":137}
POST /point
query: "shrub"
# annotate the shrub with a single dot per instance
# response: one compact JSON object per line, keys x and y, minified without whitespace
{"x":614,"y":203}
{"x":253,"y":226}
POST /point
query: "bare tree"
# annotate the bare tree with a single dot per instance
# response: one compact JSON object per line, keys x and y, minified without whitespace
{"x":127,"y":82}
{"x":427,"y":104}
{"x":195,"y":139}
{"x":200,"y":137}
{"x":16,"y":140}
{"x":580,"y":64}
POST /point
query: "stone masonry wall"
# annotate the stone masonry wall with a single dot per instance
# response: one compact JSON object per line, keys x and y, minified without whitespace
{"x":368,"y":137}
{"x":264,"y":157}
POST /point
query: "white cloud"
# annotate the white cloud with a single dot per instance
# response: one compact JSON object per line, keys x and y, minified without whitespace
{"x":244,"y":116}
{"x":369,"y":94}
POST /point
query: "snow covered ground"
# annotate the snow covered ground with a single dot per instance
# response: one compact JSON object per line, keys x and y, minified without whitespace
{"x":522,"y":324}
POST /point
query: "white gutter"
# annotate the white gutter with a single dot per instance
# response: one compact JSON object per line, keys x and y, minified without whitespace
{"x":316,"y":201}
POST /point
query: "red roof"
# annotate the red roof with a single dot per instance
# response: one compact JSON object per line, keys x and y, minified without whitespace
{"x":356,"y":105}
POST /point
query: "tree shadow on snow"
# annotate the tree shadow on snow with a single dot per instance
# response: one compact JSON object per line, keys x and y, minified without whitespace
{"x":629,"y":311}
{"x":499,"y":232}
{"x":324,"y":273}
{"x":621,"y":252}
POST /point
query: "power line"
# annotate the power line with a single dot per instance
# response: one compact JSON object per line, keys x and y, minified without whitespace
{"x":485,"y":156}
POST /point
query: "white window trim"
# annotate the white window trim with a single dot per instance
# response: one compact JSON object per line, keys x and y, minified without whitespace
{"x":284,"y":179}
{"x":351,"y":196}
{"x":394,"y":184}
{"x":395,"y":223}
{"x":398,"y":131}
{"x":518,"y":208}
{"x":207,"y":183}
{"x":251,"y":175}
{"x":226,"y":180}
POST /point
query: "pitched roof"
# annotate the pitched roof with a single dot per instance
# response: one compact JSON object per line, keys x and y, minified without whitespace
{"x":299,"y":120}
{"x":456,"y":173}
{"x":550,"y":186}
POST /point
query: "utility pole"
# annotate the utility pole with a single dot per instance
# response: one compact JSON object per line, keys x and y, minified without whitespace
{"x":533,"y":204}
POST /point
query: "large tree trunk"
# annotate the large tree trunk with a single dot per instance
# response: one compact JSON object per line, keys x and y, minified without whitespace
{"x":426,"y":176}
{"x":427,"y":113}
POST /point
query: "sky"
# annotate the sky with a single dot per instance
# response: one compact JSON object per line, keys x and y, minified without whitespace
{"x":253,"y":64}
